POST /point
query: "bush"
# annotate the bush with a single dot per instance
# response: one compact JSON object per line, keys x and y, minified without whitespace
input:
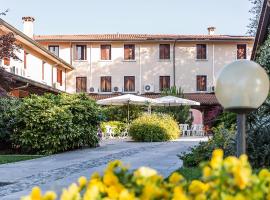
{"x":120,"y":113}
{"x":8,"y":107}
{"x":229,"y":178}
{"x":154,"y":128}
{"x":223,"y":138}
{"x":118,"y":126}
{"x":50,"y":124}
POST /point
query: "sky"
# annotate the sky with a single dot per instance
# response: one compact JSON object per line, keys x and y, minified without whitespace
{"x":130,"y":16}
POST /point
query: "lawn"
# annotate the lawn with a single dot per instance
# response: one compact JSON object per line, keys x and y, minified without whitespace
{"x":16,"y":158}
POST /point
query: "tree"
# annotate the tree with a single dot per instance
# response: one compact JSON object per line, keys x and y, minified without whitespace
{"x":8,"y":49}
{"x":254,"y":20}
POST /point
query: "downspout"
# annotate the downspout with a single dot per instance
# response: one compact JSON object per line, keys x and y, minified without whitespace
{"x":71,"y":53}
{"x":174,"y":76}
{"x":140,"y":69}
{"x":90,"y":65}
{"x":213,"y":64}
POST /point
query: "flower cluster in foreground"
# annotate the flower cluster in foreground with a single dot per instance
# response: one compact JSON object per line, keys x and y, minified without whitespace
{"x":227,"y":179}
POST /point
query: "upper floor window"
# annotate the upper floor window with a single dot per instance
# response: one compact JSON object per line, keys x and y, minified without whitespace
{"x":59,"y":77}
{"x":129,"y":52}
{"x":106,"y":84}
{"x":164,"y":51}
{"x":201,"y":52}
{"x":80,"y":53}
{"x":129,"y":83}
{"x":201,"y":83}
{"x":81,"y":84}
{"x":7,"y":61}
{"x":241,"y":51}
{"x":105,"y":52}
{"x":164,"y":82}
{"x":54,"y":49}
{"x":43,"y":70}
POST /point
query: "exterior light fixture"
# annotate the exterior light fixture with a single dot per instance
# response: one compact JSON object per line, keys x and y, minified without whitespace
{"x":242,"y":86}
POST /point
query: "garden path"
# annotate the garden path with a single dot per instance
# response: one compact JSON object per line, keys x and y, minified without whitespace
{"x":57,"y":171}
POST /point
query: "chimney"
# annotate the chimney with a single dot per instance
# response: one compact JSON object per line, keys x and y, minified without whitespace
{"x":28,"y":26}
{"x":211,"y":30}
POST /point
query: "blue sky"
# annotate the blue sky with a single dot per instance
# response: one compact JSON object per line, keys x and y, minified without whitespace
{"x":131,"y":16}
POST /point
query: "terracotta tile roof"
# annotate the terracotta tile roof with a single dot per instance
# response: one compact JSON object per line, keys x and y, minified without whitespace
{"x":137,"y":37}
{"x":203,"y":98}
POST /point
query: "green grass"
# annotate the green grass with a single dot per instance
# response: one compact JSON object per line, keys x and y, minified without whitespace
{"x":15,"y":158}
{"x":190,"y":173}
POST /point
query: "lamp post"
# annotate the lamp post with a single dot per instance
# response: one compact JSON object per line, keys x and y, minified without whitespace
{"x":242,"y":86}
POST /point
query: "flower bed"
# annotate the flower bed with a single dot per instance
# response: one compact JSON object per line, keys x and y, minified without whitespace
{"x":229,"y":178}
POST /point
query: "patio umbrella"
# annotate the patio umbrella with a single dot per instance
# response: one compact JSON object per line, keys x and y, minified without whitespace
{"x":175,"y":101}
{"x":128,"y":99}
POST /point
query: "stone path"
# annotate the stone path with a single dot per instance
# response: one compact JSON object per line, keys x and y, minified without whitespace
{"x":57,"y":171}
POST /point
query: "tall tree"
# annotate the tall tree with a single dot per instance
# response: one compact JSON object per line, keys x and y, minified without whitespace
{"x":254,"y":20}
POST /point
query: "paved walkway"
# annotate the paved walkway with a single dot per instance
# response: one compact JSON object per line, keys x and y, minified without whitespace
{"x":57,"y":171}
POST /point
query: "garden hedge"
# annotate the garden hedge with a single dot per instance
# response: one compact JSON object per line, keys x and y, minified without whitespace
{"x":154,"y":128}
{"x":55,"y":123}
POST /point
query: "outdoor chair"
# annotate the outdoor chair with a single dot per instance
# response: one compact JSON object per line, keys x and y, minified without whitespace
{"x":109,"y":132}
{"x":124,"y":134}
{"x":197,"y":129}
{"x":185,"y":129}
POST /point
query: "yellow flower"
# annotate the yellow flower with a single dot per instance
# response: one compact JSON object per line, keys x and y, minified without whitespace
{"x":197,"y":187}
{"x":110,"y":179}
{"x":200,"y":197}
{"x":50,"y":195}
{"x":206,"y":172}
{"x":114,"y":191}
{"x":175,"y":178}
{"x":242,"y":177}
{"x":126,"y":195}
{"x":82,"y":181}
{"x":150,"y":191}
{"x":36,"y":193}
{"x":264,"y":174}
{"x":217,"y":158}
{"x":145,"y":172}
{"x":178,"y":194}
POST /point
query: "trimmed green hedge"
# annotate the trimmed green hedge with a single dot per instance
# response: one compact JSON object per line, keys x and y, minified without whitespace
{"x":54,"y":123}
{"x":154,"y":128}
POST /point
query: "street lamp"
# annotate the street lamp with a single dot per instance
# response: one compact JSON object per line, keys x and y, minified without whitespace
{"x":242,"y":86}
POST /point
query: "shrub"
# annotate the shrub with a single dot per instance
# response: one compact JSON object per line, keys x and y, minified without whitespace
{"x":118,"y":126}
{"x":154,"y":128}
{"x":223,"y":138}
{"x":50,"y":124}
{"x":120,"y":113}
{"x":229,"y":178}
{"x":8,"y":107}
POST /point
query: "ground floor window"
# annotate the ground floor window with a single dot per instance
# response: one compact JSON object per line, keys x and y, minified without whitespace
{"x":164,"y":82}
{"x":59,"y":76}
{"x":129,"y":83}
{"x":106,"y":84}
{"x":81,"y":84}
{"x":201,"y":82}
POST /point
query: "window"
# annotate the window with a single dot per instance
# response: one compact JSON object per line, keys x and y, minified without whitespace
{"x":201,"y":83}
{"x":7,"y":61}
{"x":105,"y":52}
{"x":59,"y":77}
{"x":129,"y":83}
{"x":129,"y":52}
{"x":80,"y":53}
{"x":25,"y":59}
{"x":81,"y":84}
{"x":106,"y":84}
{"x":164,"y":51}
{"x":54,"y":49}
{"x":201,"y":51}
{"x":164,"y":82}
{"x":241,"y":51}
